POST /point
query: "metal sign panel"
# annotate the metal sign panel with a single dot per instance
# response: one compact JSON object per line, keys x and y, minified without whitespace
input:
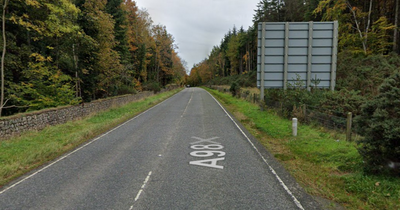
{"x":297,"y":53}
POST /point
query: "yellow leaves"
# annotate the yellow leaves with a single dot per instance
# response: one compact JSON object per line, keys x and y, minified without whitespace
{"x":47,"y":19}
{"x":331,"y":10}
{"x":33,"y":3}
{"x":137,"y":84}
{"x":40,"y":58}
{"x":85,"y":71}
{"x":133,"y":48}
{"x":321,"y":6}
{"x":246,"y":57}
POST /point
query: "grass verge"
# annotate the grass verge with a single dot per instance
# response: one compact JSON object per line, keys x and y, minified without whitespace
{"x":21,"y":154}
{"x":321,"y":161}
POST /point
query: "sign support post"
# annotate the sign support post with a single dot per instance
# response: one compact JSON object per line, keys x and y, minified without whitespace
{"x":262,"y":68}
{"x":285,"y":66}
{"x":334,"y":54}
{"x":310,"y":48}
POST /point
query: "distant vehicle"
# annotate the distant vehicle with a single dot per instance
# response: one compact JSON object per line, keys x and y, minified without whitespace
{"x":188,"y":86}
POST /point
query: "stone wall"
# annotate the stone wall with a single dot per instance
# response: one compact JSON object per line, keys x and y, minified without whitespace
{"x":15,"y":125}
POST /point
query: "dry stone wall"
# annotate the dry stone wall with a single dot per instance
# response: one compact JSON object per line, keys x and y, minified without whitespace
{"x":15,"y":125}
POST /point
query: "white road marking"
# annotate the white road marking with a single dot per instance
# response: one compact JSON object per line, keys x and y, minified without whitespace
{"x":205,"y":140}
{"x":187,"y":105}
{"x":297,"y":202}
{"x":76,"y":150}
{"x":142,"y":188}
{"x":209,"y":150}
{"x":212,"y":163}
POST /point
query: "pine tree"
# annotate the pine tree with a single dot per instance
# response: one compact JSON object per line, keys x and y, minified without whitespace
{"x":378,"y":123}
{"x":119,"y":15}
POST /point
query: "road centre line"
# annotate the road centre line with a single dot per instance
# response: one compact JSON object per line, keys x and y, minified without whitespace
{"x":297,"y":202}
{"x":142,"y":188}
{"x":78,"y":149}
{"x":187,"y":105}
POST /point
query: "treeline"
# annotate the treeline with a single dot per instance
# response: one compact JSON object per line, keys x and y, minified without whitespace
{"x":365,"y":27}
{"x":68,"y":51}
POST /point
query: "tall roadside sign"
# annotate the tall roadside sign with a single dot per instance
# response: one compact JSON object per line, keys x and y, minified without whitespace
{"x":301,"y":52}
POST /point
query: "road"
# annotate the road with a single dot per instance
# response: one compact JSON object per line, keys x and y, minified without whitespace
{"x":185,"y":153}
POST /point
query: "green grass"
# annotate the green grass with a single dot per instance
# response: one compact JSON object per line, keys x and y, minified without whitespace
{"x":21,"y":154}
{"x":321,"y":161}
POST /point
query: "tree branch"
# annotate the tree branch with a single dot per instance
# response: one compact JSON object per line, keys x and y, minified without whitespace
{"x":396,"y":20}
{"x":14,"y":106}
{"x":358,"y":26}
{"x":369,"y":22}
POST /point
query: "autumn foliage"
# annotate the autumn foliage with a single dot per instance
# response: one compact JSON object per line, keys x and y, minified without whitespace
{"x":65,"y":52}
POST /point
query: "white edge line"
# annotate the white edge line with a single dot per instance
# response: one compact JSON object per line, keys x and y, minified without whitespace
{"x":85,"y":145}
{"x":297,"y":202}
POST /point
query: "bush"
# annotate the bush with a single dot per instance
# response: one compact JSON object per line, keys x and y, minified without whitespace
{"x":341,"y":102}
{"x":365,"y":73}
{"x":243,"y":80}
{"x":126,"y":89}
{"x":235,"y":89}
{"x":152,"y":86}
{"x":379,"y":123}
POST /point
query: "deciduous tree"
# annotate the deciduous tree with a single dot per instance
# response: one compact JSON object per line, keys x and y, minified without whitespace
{"x":5,"y":2}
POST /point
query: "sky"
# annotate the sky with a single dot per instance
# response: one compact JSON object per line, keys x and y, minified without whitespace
{"x":198,"y":25}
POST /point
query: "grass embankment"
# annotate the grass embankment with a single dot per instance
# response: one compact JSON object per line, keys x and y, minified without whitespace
{"x":321,"y":161}
{"x":31,"y":150}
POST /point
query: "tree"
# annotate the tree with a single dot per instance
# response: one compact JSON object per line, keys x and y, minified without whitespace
{"x":45,"y":86}
{"x":269,"y":11}
{"x":104,"y":69}
{"x":140,"y":40}
{"x":379,"y":124}
{"x":163,"y":50}
{"x":80,"y":48}
{"x":360,"y":29}
{"x":233,"y":54}
{"x":294,"y":10}
{"x":309,"y":14}
{"x":34,"y":28}
{"x":119,"y":14}
{"x":5,"y":2}
{"x":395,"y":31}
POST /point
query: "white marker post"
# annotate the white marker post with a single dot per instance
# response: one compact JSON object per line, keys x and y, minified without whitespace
{"x":294,"y":126}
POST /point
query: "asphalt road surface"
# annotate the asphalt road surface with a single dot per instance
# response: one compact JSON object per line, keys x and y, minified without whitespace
{"x":185,"y":153}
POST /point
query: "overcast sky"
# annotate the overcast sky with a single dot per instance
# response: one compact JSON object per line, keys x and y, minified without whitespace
{"x":198,"y":25}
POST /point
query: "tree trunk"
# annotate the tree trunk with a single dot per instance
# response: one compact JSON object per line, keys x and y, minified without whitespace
{"x":78,"y":92}
{"x":368,"y":25}
{"x":364,"y":38}
{"x":157,"y":69}
{"x":3,"y":55}
{"x":241,"y":63}
{"x":396,"y":17}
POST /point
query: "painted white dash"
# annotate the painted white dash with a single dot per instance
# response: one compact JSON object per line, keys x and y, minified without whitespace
{"x":142,"y":188}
